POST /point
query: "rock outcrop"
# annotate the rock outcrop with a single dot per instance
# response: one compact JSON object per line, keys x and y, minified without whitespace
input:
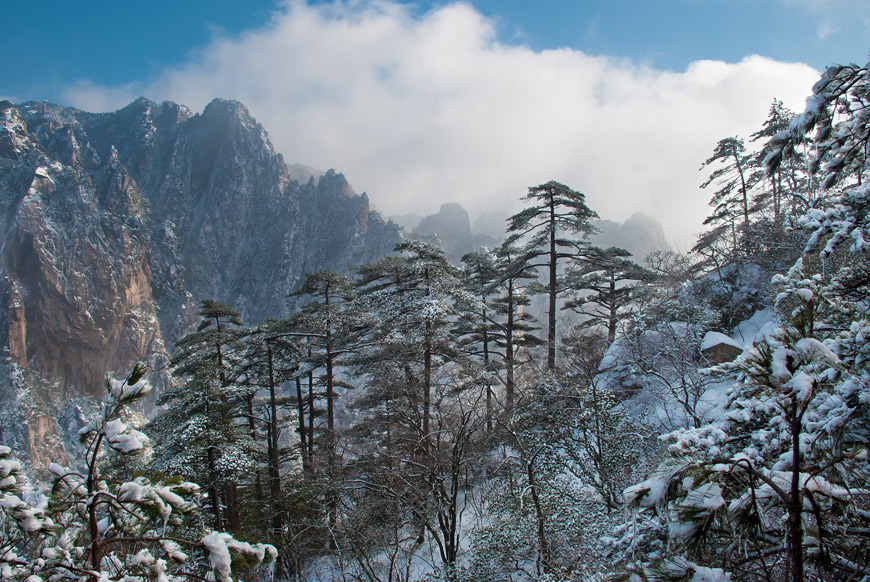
{"x":450,"y":227}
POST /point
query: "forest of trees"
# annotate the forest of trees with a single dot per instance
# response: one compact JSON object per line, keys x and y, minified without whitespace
{"x":414,"y":421}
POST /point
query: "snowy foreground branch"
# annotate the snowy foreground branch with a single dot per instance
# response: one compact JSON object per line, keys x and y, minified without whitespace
{"x":98,"y":528}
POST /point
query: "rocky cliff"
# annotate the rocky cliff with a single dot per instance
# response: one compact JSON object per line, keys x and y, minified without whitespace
{"x":115,"y":225}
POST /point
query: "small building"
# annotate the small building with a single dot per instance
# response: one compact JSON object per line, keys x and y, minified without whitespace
{"x":718,"y":348}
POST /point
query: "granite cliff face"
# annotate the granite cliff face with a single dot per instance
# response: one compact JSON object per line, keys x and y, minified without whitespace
{"x":115,"y":225}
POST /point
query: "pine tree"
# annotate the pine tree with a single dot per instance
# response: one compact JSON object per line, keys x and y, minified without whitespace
{"x":200,"y":433}
{"x":788,"y":462}
{"x":659,"y":354}
{"x":332,"y":328}
{"x":783,"y":464}
{"x":602,"y":286}
{"x":475,"y":329}
{"x":269,"y":359}
{"x":555,"y":213}
{"x":836,"y":116}
{"x":412,"y":297}
{"x":789,"y":183}
{"x":566,"y":451}
{"x":97,"y":526}
{"x":420,"y":420}
{"x":732,"y":237}
{"x":734,"y":180}
{"x":516,"y":281}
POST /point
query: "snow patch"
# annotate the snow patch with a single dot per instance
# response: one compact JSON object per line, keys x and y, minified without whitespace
{"x":756,"y":328}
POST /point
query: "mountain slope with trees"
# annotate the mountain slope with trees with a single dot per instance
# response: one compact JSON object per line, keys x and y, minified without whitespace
{"x":116,"y":224}
{"x":412,"y":422}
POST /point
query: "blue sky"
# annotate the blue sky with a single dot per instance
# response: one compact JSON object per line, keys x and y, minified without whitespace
{"x":434,"y":102}
{"x":55,"y":43}
{"x":672,"y":33}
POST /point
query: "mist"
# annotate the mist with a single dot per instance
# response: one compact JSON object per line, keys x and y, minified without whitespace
{"x":421,"y":110}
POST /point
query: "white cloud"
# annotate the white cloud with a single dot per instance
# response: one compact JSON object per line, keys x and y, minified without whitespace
{"x":419,"y":110}
{"x":92,"y":97}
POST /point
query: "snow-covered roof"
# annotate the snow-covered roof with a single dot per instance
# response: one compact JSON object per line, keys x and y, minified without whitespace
{"x":714,"y":338}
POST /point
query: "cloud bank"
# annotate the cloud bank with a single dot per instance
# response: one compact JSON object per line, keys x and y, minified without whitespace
{"x":423,"y":109}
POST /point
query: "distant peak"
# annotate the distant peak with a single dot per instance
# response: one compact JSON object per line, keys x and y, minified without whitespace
{"x":641,"y":217}
{"x":141,"y":103}
{"x":335,"y":182}
{"x":227,"y":105}
{"x":452,"y":208}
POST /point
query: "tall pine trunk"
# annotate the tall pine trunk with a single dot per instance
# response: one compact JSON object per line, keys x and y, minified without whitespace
{"x":509,"y":349}
{"x":795,"y":539}
{"x":303,"y":430}
{"x":551,"y":314}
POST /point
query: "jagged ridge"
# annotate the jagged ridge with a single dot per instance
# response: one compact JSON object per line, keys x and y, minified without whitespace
{"x":114,"y":225}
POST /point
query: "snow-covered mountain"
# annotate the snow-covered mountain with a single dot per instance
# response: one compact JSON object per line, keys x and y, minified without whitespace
{"x":115,"y":225}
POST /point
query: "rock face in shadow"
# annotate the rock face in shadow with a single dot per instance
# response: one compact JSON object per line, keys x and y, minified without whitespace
{"x":115,"y":225}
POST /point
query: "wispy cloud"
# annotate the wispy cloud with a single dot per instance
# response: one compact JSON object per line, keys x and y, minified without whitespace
{"x":825,"y":30}
{"x":420,"y":109}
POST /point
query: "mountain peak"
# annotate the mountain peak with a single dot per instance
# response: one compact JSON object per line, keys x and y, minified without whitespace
{"x":640,"y":234}
{"x":202,"y":203}
{"x":227,"y":107}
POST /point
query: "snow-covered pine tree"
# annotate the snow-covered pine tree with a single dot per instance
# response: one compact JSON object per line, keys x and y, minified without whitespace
{"x":411,"y":298}
{"x":836,"y":118}
{"x":789,"y":190}
{"x":269,"y":357}
{"x":332,"y":328}
{"x":475,"y":328}
{"x":555,"y":227}
{"x":734,"y":179}
{"x":602,"y":287}
{"x":658,"y":355}
{"x":517,"y":280}
{"x":494,"y":326}
{"x":777,"y":490}
{"x":422,"y":415}
{"x":94,"y":527}
{"x":567,"y":449}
